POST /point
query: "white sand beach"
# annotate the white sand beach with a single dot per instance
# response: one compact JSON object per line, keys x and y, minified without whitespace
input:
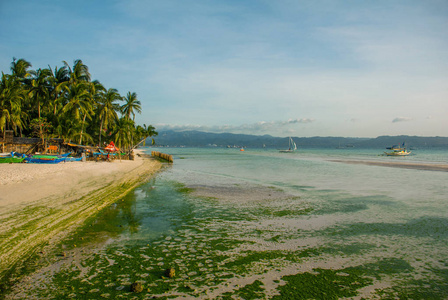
{"x":40,"y":203}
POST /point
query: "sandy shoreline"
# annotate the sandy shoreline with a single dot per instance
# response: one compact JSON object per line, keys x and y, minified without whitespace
{"x":40,"y":204}
{"x":404,"y":165}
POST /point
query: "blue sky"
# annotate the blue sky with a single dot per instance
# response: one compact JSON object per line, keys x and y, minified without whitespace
{"x":300,"y":68}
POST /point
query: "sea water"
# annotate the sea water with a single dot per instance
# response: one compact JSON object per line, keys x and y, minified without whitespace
{"x":259,"y":224}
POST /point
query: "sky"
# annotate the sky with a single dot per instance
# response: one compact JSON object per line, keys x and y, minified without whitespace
{"x":285,"y":68}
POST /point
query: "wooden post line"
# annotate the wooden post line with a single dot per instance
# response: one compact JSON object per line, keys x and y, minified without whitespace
{"x":163,"y":156}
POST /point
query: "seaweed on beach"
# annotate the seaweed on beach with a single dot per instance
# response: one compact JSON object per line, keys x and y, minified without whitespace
{"x":343,"y":203}
{"x":435,"y":287}
{"x":211,"y":244}
{"x":424,"y":227}
{"x":322,"y":284}
{"x":251,"y":291}
{"x":347,"y":248}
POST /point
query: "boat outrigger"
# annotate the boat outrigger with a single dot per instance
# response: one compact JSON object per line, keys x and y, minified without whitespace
{"x":397,"y":151}
{"x":12,"y":157}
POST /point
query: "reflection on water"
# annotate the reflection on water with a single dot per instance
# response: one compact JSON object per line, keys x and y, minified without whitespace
{"x":150,"y":211}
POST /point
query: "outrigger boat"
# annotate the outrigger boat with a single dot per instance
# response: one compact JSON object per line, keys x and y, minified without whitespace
{"x":13,"y":157}
{"x":397,"y":151}
{"x":47,"y":159}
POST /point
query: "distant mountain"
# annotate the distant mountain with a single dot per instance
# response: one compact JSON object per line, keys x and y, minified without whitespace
{"x":207,"y":139}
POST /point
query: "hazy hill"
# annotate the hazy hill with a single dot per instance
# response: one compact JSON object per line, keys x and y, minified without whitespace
{"x":206,"y":139}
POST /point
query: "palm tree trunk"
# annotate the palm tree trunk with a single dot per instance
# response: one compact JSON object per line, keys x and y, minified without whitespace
{"x":40,"y":128}
{"x":101,"y":130}
{"x":82,"y":128}
{"x":132,"y":132}
{"x":4,"y":137}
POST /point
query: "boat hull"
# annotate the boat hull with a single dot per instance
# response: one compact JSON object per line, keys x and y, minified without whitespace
{"x":71,"y":159}
{"x":50,"y":159}
{"x":401,"y":153}
{"x":9,"y":160}
{"x":51,"y":156}
{"x":33,"y":160}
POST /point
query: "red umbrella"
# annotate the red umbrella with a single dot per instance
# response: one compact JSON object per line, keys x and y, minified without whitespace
{"x":111,"y":147}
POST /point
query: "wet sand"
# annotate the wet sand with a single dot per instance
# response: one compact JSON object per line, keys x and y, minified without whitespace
{"x":404,"y":165}
{"x":41,"y":204}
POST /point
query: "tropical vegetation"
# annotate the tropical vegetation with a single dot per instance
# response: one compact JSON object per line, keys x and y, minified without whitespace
{"x":65,"y":103}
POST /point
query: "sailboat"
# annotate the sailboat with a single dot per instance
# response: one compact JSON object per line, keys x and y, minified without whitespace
{"x":292,"y":146}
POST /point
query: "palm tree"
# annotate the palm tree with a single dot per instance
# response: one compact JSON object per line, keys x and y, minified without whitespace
{"x":150,"y":132}
{"x":142,"y":134}
{"x":72,"y":105}
{"x":65,"y":128}
{"x":40,"y":88}
{"x":107,"y":109}
{"x":82,"y":102}
{"x":20,"y":75}
{"x":20,"y":68}
{"x":79,"y":103}
{"x":59,"y":78}
{"x":40,"y":91}
{"x":80,"y":71}
{"x":12,"y":96}
{"x":122,"y":132}
{"x":131,"y":106}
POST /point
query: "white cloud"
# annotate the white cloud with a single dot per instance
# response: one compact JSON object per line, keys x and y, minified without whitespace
{"x":298,"y":121}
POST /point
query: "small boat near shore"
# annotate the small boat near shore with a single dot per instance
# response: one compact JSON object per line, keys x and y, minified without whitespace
{"x":292,"y":146}
{"x":51,"y":155}
{"x":49,"y":158}
{"x":44,"y":160}
{"x":13,"y":157}
{"x":397,"y":151}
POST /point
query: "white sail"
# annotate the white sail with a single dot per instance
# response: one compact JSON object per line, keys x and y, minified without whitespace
{"x":292,"y":146}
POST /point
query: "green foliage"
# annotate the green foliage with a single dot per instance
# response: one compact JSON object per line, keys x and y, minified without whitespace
{"x":75,"y":108}
{"x":40,"y":127}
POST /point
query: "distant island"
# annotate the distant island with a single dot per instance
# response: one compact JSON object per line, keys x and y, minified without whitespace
{"x":207,"y":139}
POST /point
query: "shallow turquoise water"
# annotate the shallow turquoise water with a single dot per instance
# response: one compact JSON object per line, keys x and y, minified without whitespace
{"x":385,"y":227}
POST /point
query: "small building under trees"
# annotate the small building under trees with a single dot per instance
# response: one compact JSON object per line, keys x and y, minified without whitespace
{"x":11,"y":143}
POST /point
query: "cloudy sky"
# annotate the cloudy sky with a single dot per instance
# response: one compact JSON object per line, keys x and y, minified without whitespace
{"x":284,"y":67}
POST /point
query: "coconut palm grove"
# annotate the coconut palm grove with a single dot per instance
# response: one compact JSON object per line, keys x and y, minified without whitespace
{"x":65,"y":103}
